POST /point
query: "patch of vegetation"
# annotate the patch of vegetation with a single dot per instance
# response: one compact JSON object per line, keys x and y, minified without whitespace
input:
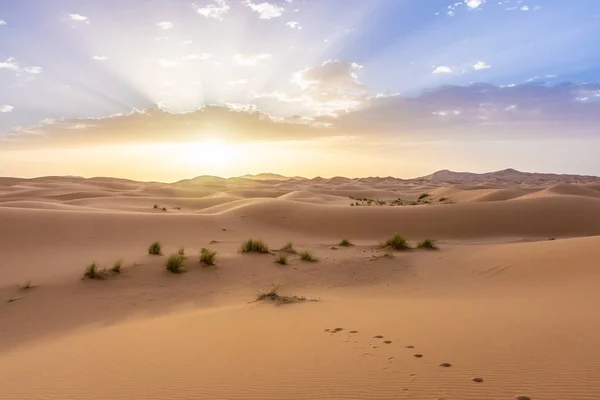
{"x":116,"y":268}
{"x":156,"y":206}
{"x":424,"y":196}
{"x":164,"y":208}
{"x":289,"y":248}
{"x":281,"y":259}
{"x":272,"y":293}
{"x":397,"y":242}
{"x":27,"y":286}
{"x":181,"y":251}
{"x":345,"y":243}
{"x":175,"y":263}
{"x":155,"y":249}
{"x":207,"y":256}
{"x":427,"y":244}
{"x":306,"y":256}
{"x":93,"y":272}
{"x":254,"y":246}
{"x":442,"y":199}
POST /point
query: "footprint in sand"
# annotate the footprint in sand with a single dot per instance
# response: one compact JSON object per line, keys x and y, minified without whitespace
{"x":522,"y":398}
{"x":378,"y":337}
{"x":387,"y":341}
{"x":477,"y":379}
{"x":445,"y":365}
{"x":418,"y":355}
{"x":409,"y":347}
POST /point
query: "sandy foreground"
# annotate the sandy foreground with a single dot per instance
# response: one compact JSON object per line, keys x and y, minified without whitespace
{"x":510,"y":296}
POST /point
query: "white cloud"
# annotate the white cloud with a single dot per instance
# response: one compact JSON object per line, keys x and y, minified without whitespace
{"x":78,"y":18}
{"x":2,"y":22}
{"x":202,"y":56}
{"x":215,"y":11}
{"x":525,"y":8}
{"x":481,"y":65}
{"x":9,"y":64}
{"x":100,"y":58}
{"x":266,"y":10}
{"x":294,"y":25}
{"x":186,"y":42}
{"x":168,"y":63}
{"x":474,"y":3}
{"x":442,"y":69}
{"x":165,"y":25}
{"x":6,"y":108}
{"x":251,"y":60}
{"x":33,"y":70}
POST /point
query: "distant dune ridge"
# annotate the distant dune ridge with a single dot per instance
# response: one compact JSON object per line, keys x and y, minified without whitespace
{"x":496,"y":307}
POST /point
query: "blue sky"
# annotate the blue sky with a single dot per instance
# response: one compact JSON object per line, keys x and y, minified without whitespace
{"x":77,"y":74}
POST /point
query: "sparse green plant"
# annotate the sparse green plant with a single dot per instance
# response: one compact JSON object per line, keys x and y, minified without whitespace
{"x":208,"y":256}
{"x":93,"y":272}
{"x":427,"y":244}
{"x":281,"y":259}
{"x":181,"y":251}
{"x":289,"y":248}
{"x":175,"y":263}
{"x":424,"y":196}
{"x":397,"y":242}
{"x":155,"y":249}
{"x":345,"y":243}
{"x":254,"y":246}
{"x":116,"y":268}
{"x":306,"y":256}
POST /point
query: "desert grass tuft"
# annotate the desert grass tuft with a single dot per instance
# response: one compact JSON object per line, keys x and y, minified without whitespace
{"x":427,"y":244}
{"x":289,"y":248}
{"x":27,"y":286}
{"x":155,"y":249}
{"x":116,"y":268}
{"x":175,"y":263}
{"x":93,"y":272}
{"x":424,"y":196}
{"x":397,"y":242}
{"x":207,"y":257}
{"x":281,"y":259}
{"x":272,"y":293}
{"x":181,"y":251}
{"x":306,"y":256}
{"x":254,"y":246}
{"x":345,"y":243}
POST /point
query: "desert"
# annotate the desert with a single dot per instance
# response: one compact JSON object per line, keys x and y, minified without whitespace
{"x":499,"y":304}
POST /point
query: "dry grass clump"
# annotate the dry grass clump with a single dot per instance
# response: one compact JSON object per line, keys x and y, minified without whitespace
{"x":397,"y":242}
{"x":254,"y":246}
{"x":93,"y":272}
{"x":345,"y":243}
{"x":306,"y":256}
{"x":116,"y":268}
{"x":428,"y":244}
{"x":272,"y":293}
{"x":155,"y":249}
{"x":288,"y":248}
{"x":181,"y":251}
{"x":175,"y":263}
{"x":281,"y":259}
{"x":208,"y":256}
{"x":27,"y":286}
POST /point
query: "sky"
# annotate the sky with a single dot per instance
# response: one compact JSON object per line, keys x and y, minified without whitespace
{"x":171,"y":89}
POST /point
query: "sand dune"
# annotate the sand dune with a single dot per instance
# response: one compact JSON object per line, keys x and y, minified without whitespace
{"x":499,"y":300}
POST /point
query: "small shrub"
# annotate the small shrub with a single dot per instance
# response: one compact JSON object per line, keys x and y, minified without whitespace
{"x":156,"y":207}
{"x":288,"y":248}
{"x":175,"y":263}
{"x":181,"y":251}
{"x":306,"y":256}
{"x":93,"y":272}
{"x":164,"y":208}
{"x":427,"y":244}
{"x":155,"y":249}
{"x":254,"y":246}
{"x":442,"y":199}
{"x":116,"y":268}
{"x":272,"y":293}
{"x":345,"y":243}
{"x":27,"y":286}
{"x":281,"y":259}
{"x":208,"y":256}
{"x":397,"y":242}
{"x":424,"y":196}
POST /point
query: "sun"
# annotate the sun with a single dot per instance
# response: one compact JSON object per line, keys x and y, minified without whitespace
{"x":210,"y":153}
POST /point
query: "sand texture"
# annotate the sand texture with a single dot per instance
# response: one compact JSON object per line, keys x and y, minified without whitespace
{"x":505,"y":307}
